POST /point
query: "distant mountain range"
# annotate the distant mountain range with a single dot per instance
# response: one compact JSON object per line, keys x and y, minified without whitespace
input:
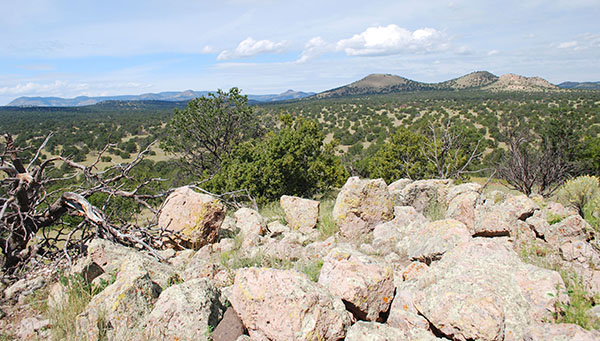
{"x":386,"y":83}
{"x":371,"y":85}
{"x":580,"y":85}
{"x":170,"y":96}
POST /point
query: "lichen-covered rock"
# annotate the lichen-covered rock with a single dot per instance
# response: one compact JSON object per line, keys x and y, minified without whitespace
{"x":422,"y":194}
{"x":287,"y":305}
{"x":196,"y":217}
{"x":413,"y":270}
{"x":387,"y":235}
{"x":361,"y":205}
{"x":186,"y":311}
{"x":482,"y":290}
{"x":364,"y":283}
{"x":569,"y":229}
{"x":559,"y":332}
{"x":250,"y":222}
{"x":462,"y":205}
{"x":319,"y":249}
{"x":403,"y":314}
{"x":490,"y":221}
{"x":287,"y":248}
{"x":120,"y":308}
{"x":373,"y":331}
{"x":519,"y":206}
{"x":300,"y":214}
{"x":434,"y":239}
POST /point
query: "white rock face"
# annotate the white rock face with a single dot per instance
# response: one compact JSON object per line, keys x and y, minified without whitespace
{"x":287,"y":305}
{"x":300,"y":214}
{"x":361,"y":205}
{"x":196,"y":217}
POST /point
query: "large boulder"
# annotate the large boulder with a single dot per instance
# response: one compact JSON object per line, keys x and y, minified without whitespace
{"x":462,"y":200}
{"x":186,"y":311}
{"x":113,"y":258}
{"x":250,"y":222}
{"x":363,"y":283}
{"x":120,"y":308}
{"x":406,"y":220}
{"x":287,"y":305}
{"x":194,"y":216}
{"x":423,"y":195}
{"x":481,"y":290}
{"x":300,"y":214}
{"x":361,"y":205}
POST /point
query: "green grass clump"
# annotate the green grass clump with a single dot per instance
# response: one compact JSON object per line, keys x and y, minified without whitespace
{"x":552,"y":218}
{"x":579,"y":303}
{"x":579,"y":299}
{"x":79,"y":293}
{"x":272,"y":211}
{"x":326,"y":225}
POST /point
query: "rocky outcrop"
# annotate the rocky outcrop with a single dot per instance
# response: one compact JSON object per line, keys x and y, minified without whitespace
{"x":361,"y":205}
{"x":194,"y":216}
{"x":389,"y":273}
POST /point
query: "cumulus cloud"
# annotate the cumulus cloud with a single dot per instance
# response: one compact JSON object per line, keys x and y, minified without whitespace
{"x":250,"y":47}
{"x":314,"y":48}
{"x":392,"y":39}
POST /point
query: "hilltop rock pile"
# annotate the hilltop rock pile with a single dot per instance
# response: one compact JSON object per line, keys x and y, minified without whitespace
{"x":415,"y":260}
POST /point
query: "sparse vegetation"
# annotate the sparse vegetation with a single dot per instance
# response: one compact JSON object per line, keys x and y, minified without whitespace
{"x":78,"y":293}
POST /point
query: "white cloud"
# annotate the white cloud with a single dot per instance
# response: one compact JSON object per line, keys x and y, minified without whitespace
{"x":250,"y":47}
{"x":55,"y":87}
{"x":314,"y":48}
{"x":493,"y":52}
{"x":392,"y":39}
{"x":567,"y":45}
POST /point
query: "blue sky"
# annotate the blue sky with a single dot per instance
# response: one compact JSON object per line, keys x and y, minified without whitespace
{"x":90,"y":47}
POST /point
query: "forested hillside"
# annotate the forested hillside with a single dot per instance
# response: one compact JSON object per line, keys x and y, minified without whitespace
{"x":359,"y":125}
